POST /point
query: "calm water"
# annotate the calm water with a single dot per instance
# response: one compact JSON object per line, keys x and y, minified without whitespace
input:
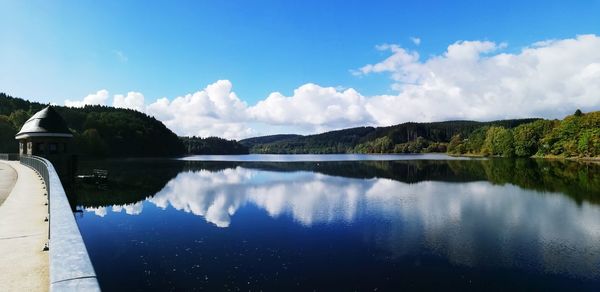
{"x":343,"y":225}
{"x":320,"y":157}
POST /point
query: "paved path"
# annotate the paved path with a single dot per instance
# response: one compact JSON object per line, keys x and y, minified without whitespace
{"x":23,"y":233}
{"x":8,"y":177}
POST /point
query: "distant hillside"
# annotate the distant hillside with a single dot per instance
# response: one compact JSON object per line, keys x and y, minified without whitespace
{"x":212,"y":145}
{"x":402,"y":138}
{"x":112,"y":132}
{"x":249,"y":142}
{"x":99,"y":130}
{"x":576,"y":136}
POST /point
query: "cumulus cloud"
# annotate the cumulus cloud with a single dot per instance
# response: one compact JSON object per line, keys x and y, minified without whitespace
{"x":133,"y":100}
{"x":215,"y":110}
{"x":416,"y":40}
{"x":476,"y":80}
{"x":98,"y":98}
{"x":472,"y":80}
{"x":400,"y":63}
{"x":311,"y":105}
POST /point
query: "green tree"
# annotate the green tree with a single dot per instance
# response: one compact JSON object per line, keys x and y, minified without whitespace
{"x":91,"y":143}
{"x":18,"y":118}
{"x":474,"y":143}
{"x":455,"y":145}
{"x":498,"y":141}
{"x":8,"y":144}
{"x":585,"y":146}
{"x":505,"y":143}
{"x":525,"y":140}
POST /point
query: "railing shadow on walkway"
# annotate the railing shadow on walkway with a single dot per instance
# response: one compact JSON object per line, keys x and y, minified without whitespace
{"x":70,"y":265}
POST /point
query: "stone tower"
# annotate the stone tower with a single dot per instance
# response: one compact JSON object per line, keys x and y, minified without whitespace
{"x":46,"y":134}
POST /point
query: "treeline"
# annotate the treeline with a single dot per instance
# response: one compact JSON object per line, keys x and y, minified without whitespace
{"x":213,"y":145}
{"x":99,"y":131}
{"x":102,"y":131}
{"x":402,"y":138}
{"x":577,"y":135}
{"x":134,"y":180}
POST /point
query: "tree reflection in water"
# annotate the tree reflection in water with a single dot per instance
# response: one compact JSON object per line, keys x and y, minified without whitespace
{"x":535,"y":215}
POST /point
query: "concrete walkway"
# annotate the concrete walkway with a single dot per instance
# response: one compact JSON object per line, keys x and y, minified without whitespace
{"x":8,"y":177}
{"x":23,"y":233}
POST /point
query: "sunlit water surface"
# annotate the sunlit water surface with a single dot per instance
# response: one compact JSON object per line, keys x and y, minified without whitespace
{"x":350,"y":225}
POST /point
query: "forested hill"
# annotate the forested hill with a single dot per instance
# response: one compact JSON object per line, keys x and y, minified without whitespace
{"x":112,"y":132}
{"x":212,"y":146}
{"x":575,"y":136}
{"x":98,"y":130}
{"x":402,"y":138}
{"x":268,"y":139}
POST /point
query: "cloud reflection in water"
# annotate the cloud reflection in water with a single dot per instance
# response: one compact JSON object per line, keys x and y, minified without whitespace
{"x":472,"y":224}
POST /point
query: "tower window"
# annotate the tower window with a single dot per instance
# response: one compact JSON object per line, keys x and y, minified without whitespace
{"x":53,"y":148}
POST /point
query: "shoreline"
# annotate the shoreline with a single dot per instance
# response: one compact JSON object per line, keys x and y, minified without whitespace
{"x":183,"y":157}
{"x":578,"y":159}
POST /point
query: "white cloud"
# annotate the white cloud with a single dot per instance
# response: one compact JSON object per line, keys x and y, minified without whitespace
{"x":400,"y":63}
{"x":416,"y":40}
{"x":313,"y":106}
{"x":99,"y":97}
{"x":215,"y":110}
{"x":549,"y":79}
{"x":133,"y":100}
{"x":471,"y":80}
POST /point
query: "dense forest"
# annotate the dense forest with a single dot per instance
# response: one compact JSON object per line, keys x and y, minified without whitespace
{"x":577,"y":135}
{"x":101,"y":131}
{"x":98,"y":130}
{"x":213,"y":145}
{"x":402,"y":138}
{"x":113,"y":132}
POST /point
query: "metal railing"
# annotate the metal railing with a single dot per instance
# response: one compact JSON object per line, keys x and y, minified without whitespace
{"x":41,"y":168}
{"x":70,"y":265}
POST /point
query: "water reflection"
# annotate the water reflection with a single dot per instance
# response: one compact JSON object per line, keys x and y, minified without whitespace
{"x":133,"y":181}
{"x":472,"y":224}
{"x":308,"y":197}
{"x":480,"y":224}
{"x":130,"y":209}
{"x":492,"y":216}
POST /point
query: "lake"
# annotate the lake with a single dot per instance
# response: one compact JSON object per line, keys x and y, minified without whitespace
{"x":321,"y":157}
{"x":344,"y":223}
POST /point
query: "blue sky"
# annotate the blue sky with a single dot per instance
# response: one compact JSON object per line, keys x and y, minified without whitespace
{"x":54,"y":51}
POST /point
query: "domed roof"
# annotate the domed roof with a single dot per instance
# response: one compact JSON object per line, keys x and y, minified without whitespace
{"x":45,"y":123}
